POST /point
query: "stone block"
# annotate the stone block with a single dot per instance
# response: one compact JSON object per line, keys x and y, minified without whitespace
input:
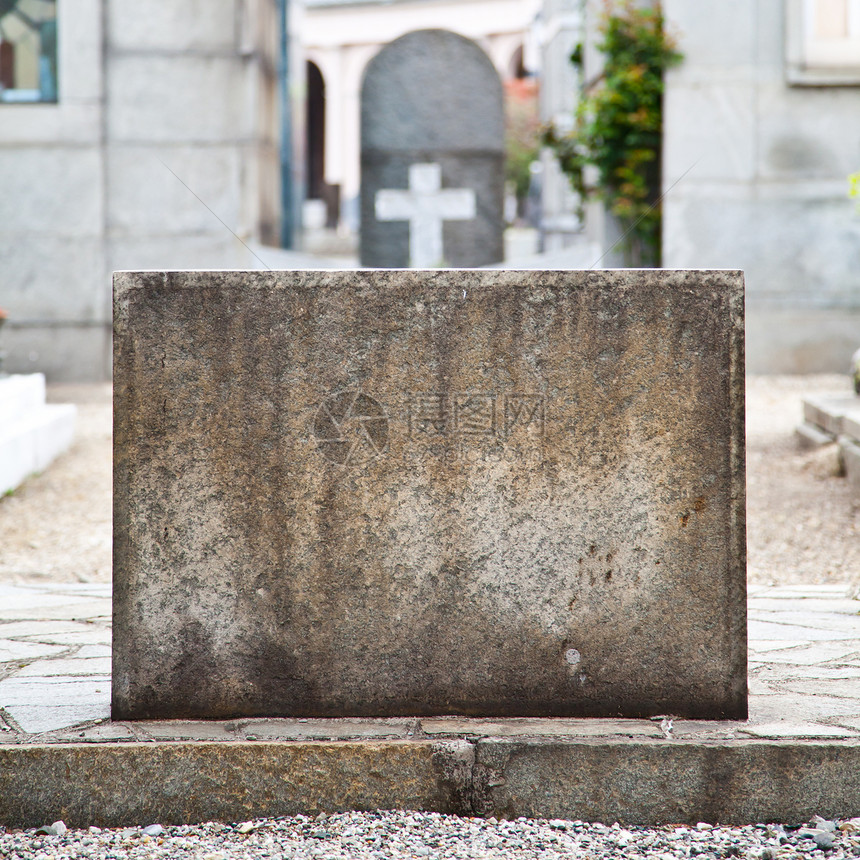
{"x":68,"y":285}
{"x":81,"y":69}
{"x":421,"y":493}
{"x":72,"y":208}
{"x":65,"y":353}
{"x":147,"y":105}
{"x":800,"y":341}
{"x":851,"y":423}
{"x":714,"y":131}
{"x":655,"y":782}
{"x":32,"y":433}
{"x":70,"y":124}
{"x":724,"y":40}
{"x":20,"y":395}
{"x":166,"y":26}
{"x":74,"y":666}
{"x":827,"y":412}
{"x":122,"y":784}
{"x":821,"y":127}
{"x":12,"y":650}
{"x":144,"y":192}
{"x":810,"y":436}
{"x":851,"y":460}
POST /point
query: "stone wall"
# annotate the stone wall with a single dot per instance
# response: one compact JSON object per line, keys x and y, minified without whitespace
{"x":188,"y":87}
{"x":52,"y":212}
{"x":766,"y":191}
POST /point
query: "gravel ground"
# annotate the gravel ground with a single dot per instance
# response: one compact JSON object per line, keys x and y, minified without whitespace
{"x":380,"y":835}
{"x":802,"y":520}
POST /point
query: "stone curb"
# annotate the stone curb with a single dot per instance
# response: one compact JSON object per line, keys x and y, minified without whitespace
{"x":631,"y":781}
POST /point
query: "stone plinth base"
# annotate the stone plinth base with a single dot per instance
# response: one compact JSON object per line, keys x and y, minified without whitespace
{"x":32,"y":432}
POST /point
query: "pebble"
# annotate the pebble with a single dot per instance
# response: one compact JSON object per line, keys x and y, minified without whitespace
{"x":823,"y":839}
{"x":410,"y":835}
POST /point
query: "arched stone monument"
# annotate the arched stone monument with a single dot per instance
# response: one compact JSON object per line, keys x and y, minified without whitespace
{"x":432,"y":154}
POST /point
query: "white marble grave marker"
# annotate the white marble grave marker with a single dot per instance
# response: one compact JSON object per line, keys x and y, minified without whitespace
{"x":425,"y":205}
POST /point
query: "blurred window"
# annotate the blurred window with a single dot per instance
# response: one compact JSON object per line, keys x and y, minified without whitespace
{"x":831,"y":31}
{"x":28,"y":51}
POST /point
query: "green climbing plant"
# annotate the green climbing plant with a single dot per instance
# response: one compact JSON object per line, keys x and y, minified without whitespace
{"x":618,"y":126}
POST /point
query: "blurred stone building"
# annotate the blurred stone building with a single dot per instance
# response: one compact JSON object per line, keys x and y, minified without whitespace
{"x":764,"y":112}
{"x":99,"y":101}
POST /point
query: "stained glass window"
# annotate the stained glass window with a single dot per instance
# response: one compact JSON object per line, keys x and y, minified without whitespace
{"x":28,"y":50}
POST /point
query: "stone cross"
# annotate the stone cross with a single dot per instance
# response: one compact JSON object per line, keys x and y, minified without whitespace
{"x":425,"y":206}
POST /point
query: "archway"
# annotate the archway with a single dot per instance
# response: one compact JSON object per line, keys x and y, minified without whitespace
{"x":317,"y":187}
{"x":516,"y":66}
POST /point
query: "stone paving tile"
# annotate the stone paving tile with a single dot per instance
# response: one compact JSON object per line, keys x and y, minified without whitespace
{"x":792,"y":706}
{"x":819,"y":653}
{"x":849,"y":722}
{"x":762,"y":687}
{"x":35,"y":630}
{"x":84,"y":609}
{"x":705,"y":729}
{"x":70,"y":666}
{"x":284,"y":729}
{"x":35,"y":720}
{"x":177,"y":730}
{"x":800,"y":590}
{"x":104,"y":731}
{"x":777,"y":630}
{"x":765,"y":646}
{"x":92,"y":635}
{"x":840,"y":605}
{"x":841,"y":688}
{"x":832,"y":606}
{"x":827,"y":622}
{"x":12,"y":650}
{"x":786,"y":729}
{"x":782,"y":672}
{"x":101,"y":589}
{"x":552,"y":727}
{"x":54,"y":602}
{"x":93,"y":651}
{"x":52,"y":692}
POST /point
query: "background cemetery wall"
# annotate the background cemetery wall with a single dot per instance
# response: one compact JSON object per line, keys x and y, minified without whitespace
{"x":52,"y":214}
{"x":767,"y":191}
{"x":144,"y":89}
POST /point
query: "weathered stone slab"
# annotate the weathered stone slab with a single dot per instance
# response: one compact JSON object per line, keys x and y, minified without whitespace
{"x":32,"y":433}
{"x":423,"y":493}
{"x":432,"y":154}
{"x":827,"y":412}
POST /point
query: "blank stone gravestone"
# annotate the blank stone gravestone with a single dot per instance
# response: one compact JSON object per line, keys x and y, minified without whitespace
{"x":432,"y":154}
{"x":384,"y":493}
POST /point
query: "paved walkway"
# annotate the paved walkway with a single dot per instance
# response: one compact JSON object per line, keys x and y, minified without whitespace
{"x":804,"y":670}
